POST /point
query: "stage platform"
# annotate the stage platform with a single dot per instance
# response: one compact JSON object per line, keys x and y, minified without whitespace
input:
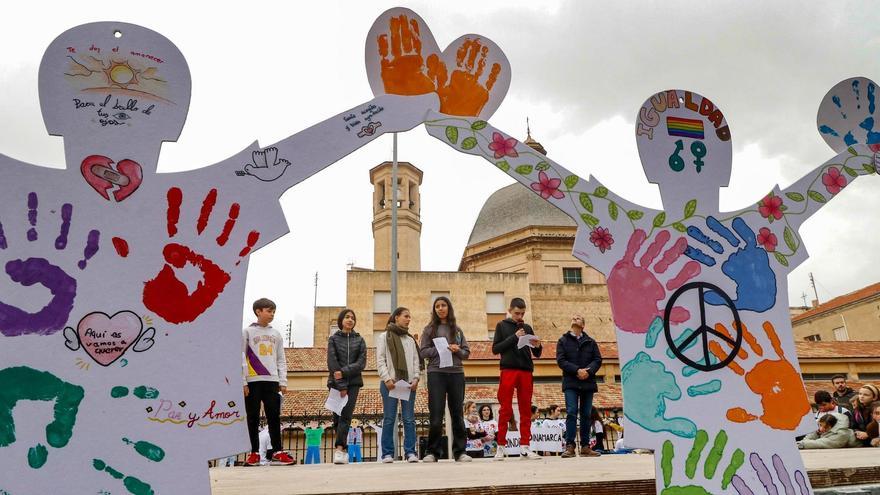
{"x":606,"y":475}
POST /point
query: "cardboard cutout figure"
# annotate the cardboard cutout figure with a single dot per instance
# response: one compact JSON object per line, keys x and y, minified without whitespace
{"x":121,"y":292}
{"x":710,"y":375}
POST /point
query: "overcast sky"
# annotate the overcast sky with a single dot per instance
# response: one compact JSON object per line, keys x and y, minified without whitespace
{"x":581,"y":70}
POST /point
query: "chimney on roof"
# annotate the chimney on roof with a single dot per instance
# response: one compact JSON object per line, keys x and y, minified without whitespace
{"x":815,"y":303}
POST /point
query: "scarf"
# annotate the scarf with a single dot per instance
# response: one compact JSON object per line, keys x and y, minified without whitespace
{"x":394,"y":340}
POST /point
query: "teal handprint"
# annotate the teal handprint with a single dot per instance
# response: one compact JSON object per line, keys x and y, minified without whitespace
{"x":710,"y":465}
{"x":648,"y":385}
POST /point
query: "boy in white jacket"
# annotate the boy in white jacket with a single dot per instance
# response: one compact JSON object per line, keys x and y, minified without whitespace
{"x":264,"y":370}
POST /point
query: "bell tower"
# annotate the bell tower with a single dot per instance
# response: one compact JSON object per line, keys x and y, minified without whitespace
{"x":409,"y":225}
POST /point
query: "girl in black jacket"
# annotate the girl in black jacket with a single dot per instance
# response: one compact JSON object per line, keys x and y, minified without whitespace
{"x":346,"y":359}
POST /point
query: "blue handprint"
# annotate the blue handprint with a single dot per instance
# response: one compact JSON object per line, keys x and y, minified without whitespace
{"x":846,"y":115}
{"x":51,"y":318}
{"x":748,"y":266}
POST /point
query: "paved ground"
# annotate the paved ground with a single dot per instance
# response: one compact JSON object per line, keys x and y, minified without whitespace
{"x":514,"y":473}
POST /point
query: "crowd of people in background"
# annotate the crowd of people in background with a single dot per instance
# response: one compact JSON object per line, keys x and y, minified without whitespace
{"x":845,"y":417}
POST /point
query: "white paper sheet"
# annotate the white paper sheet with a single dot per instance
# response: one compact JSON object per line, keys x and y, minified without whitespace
{"x":400,"y":391}
{"x":335,"y":401}
{"x":526,"y":340}
{"x":443,"y":350}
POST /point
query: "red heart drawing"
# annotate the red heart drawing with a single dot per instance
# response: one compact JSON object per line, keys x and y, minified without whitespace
{"x":98,"y":171}
{"x":106,"y":338}
{"x":471,"y":76}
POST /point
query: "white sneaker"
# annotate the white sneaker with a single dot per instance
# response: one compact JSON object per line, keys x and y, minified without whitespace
{"x":340,"y":457}
{"x":412,"y":458}
{"x":527,"y":453}
{"x":499,"y":453}
{"x":464,"y":458}
{"x":429,"y":458}
{"x":387,"y":459}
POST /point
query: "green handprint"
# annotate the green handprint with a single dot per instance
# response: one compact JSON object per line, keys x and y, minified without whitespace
{"x":710,"y":466}
{"x":23,"y":383}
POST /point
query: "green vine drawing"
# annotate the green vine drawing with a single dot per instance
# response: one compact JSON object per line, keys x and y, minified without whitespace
{"x":586,"y":202}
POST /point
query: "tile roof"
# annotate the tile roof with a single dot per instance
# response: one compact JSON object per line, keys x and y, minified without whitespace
{"x":315,"y":358}
{"x":311,"y":402}
{"x":840,"y":301}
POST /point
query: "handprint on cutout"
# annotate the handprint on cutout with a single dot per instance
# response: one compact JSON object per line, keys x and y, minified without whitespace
{"x":463,"y":94}
{"x":405,"y":72}
{"x":23,"y":383}
{"x":165,"y":294}
{"x":766,"y":478}
{"x":648,"y":386}
{"x":710,"y":464}
{"x":53,"y":316}
{"x":777,"y":382}
{"x":267,"y":166}
{"x":635,"y":290}
{"x":748,"y":267}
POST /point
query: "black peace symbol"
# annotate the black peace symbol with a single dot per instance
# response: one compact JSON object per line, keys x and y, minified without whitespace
{"x":703,"y":331}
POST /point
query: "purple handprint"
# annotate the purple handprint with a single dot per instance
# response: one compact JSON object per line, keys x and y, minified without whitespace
{"x":53,"y":316}
{"x":766,"y":478}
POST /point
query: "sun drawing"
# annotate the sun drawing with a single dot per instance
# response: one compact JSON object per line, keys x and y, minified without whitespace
{"x":121,"y":74}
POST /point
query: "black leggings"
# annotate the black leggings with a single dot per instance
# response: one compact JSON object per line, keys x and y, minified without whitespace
{"x":341,"y":423}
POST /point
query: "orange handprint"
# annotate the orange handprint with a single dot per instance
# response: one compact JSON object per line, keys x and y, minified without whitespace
{"x":464,"y":94}
{"x":777,"y":382}
{"x":405,"y":72}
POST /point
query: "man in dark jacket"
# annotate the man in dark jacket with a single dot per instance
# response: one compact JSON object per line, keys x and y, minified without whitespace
{"x":577,"y":354}
{"x":842,"y":394}
{"x":516,"y":375}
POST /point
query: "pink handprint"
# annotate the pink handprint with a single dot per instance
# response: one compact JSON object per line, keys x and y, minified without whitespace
{"x":634,"y":289}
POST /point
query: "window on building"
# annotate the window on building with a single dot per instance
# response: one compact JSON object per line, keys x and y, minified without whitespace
{"x":495,"y":311}
{"x":572,"y":276}
{"x":818,"y":377}
{"x":813,"y":338}
{"x":840,"y":334}
{"x":869,"y":377}
{"x":436,"y":294}
{"x":381,"y":309}
{"x":617,"y":379}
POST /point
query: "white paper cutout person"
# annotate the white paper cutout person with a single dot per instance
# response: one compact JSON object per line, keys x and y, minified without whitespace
{"x":142,"y":261}
{"x":699,"y":297}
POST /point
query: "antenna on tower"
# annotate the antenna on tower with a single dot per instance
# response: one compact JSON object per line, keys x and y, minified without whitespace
{"x":804,"y":297}
{"x":528,"y":129}
{"x":289,"y":333}
{"x":315,"y":305}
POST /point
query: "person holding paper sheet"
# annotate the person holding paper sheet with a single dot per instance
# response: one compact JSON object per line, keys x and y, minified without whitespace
{"x":516,"y":375}
{"x":397,"y":361}
{"x":265,"y":375}
{"x":577,"y":354}
{"x":346,"y":359}
{"x":445,"y":383}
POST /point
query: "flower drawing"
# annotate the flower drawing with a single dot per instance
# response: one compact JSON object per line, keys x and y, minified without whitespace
{"x":767,"y":239}
{"x":601,"y":238}
{"x":503,"y":147}
{"x":834,"y":181}
{"x":770,"y":206}
{"x":547,"y":187}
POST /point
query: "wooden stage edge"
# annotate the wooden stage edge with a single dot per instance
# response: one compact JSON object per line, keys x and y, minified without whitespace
{"x":607,"y":475}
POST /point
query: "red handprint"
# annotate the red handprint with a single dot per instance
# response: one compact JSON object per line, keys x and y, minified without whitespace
{"x":165,"y":294}
{"x":634,"y":289}
{"x":405,"y":72}
{"x":777,"y":382}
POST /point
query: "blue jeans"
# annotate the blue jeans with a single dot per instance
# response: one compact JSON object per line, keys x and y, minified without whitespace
{"x":354,"y":453}
{"x":313,"y":455}
{"x":389,"y":432}
{"x":577,"y":401}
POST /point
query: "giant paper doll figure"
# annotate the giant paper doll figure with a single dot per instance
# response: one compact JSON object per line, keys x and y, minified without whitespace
{"x":710,"y":375}
{"x":121,"y":291}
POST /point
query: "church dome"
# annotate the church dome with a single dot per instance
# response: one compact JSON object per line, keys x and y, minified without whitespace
{"x":512,"y":208}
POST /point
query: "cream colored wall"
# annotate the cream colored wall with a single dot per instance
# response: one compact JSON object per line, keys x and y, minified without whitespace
{"x":862,"y":321}
{"x":466,"y":290}
{"x":554,"y":304}
{"x":325,"y":317}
